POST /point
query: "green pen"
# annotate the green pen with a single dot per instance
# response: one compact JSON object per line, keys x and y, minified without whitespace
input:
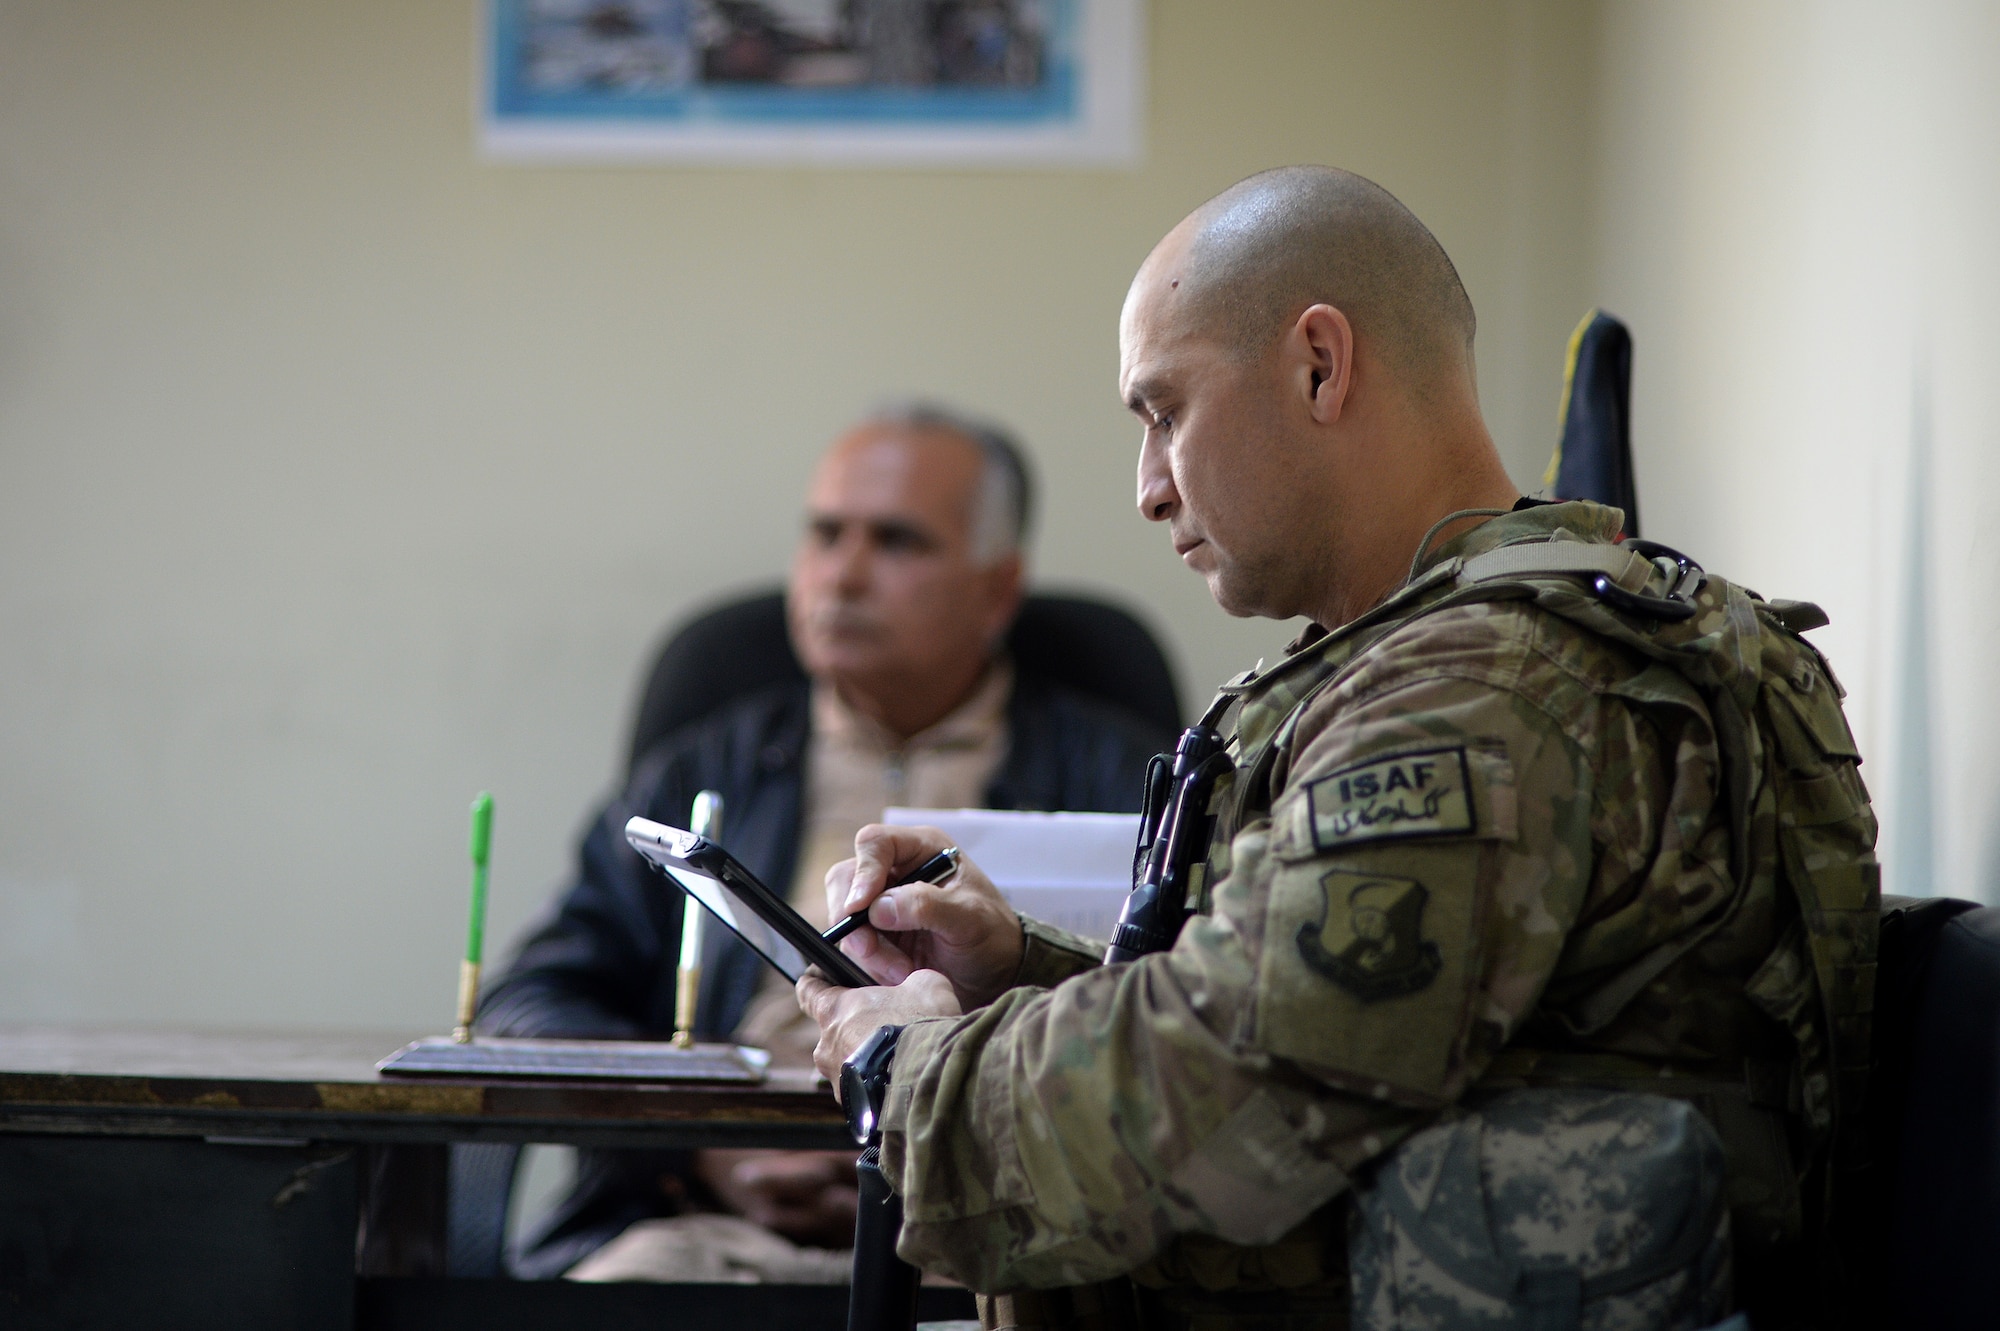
{"x":475,"y":929}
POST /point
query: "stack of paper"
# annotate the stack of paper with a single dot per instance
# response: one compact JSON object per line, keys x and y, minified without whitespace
{"x":1072,"y":870}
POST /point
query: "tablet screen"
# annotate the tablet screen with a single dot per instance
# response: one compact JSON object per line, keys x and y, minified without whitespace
{"x":752,"y":911}
{"x":725,"y":906}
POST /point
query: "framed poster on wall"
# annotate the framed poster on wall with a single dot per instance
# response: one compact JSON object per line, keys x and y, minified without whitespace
{"x":856,"y":82}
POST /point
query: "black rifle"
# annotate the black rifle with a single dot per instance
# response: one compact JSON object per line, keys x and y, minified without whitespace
{"x":884,"y":1295}
{"x":1174,"y":831}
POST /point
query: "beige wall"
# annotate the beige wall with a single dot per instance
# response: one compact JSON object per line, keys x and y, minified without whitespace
{"x":1798,"y":207}
{"x":342,"y":475}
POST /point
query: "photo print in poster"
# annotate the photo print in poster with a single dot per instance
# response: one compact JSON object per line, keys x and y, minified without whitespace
{"x":861,"y":82}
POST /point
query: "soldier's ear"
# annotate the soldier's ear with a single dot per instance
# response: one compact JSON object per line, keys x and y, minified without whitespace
{"x":1321,"y":342}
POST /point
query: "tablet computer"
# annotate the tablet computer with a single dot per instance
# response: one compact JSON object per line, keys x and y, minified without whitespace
{"x":759,"y":916}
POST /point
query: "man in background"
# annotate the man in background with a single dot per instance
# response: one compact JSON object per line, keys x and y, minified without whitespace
{"x":905,"y":582}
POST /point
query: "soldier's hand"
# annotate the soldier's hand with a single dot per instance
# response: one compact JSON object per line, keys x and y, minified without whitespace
{"x":962,"y":928}
{"x":846,"y":1017}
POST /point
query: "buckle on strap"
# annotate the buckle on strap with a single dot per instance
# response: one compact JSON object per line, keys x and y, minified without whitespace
{"x":1619,"y":573}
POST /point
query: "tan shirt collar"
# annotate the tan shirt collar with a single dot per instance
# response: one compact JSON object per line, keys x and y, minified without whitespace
{"x":974,"y":722}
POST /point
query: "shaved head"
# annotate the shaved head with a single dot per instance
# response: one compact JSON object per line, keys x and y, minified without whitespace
{"x":1299,"y":351}
{"x":1265,"y":249}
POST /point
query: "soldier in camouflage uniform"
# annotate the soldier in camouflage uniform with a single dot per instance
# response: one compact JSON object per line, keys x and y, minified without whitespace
{"x":1482,"y":833}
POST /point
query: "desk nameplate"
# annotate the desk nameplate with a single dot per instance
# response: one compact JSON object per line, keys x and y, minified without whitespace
{"x":577,"y":1060}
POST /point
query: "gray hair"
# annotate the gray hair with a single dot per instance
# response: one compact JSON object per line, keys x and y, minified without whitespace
{"x":1003,"y":505}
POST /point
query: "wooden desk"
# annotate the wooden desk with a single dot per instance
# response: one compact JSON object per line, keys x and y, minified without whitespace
{"x":167,"y":1179}
{"x":324,"y":1087}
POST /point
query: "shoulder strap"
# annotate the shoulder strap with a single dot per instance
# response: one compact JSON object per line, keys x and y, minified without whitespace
{"x":1626,"y":567}
{"x":1492,"y":575}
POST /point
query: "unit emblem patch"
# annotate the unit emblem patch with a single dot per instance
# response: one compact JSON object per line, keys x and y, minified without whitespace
{"x":1408,"y":795}
{"x":1371,"y":941}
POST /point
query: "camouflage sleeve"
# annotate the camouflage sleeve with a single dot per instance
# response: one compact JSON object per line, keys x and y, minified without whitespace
{"x":1373,"y":943}
{"x":1050,"y":955}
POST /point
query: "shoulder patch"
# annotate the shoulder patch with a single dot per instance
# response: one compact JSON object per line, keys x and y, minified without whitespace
{"x":1371,"y":940}
{"x":1428,"y":793}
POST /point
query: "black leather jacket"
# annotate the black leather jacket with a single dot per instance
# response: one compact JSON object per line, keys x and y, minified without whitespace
{"x":601,"y":963}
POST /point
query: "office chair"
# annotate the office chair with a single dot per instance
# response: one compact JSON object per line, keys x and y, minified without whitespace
{"x":1930,"y":1200}
{"x":742,"y":646}
{"x":479,"y":1182}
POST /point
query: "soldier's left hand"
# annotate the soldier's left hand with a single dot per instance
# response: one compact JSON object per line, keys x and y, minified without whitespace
{"x":846,"y":1017}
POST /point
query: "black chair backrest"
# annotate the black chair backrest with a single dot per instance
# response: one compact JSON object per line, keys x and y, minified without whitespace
{"x":1087,"y":645}
{"x":1934,"y":1119}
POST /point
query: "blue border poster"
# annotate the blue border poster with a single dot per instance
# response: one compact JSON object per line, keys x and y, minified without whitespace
{"x":836,"y":81}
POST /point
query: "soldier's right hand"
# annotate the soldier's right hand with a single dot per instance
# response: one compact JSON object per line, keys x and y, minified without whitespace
{"x":962,"y":928}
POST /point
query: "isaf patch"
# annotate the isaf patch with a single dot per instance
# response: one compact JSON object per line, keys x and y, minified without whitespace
{"x":1408,"y":795}
{"x":1371,"y":940}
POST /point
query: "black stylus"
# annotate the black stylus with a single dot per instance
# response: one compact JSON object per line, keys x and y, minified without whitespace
{"x":933,"y":870}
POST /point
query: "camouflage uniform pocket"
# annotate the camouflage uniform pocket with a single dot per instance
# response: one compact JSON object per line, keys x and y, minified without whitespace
{"x":1578,"y":1209}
